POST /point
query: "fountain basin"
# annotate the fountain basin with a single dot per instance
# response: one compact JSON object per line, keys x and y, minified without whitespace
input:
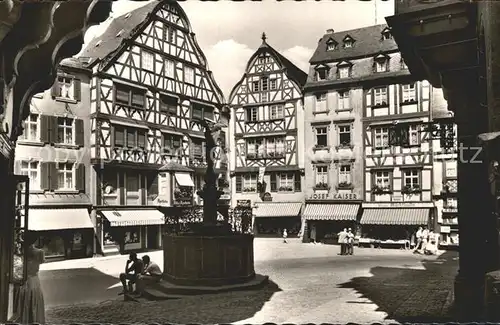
{"x":201,"y":260}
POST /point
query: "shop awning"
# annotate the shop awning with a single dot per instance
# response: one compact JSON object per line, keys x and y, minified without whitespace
{"x":281,"y":209}
{"x":123,"y":218}
{"x":58,"y":219}
{"x":400,"y":217}
{"x":184,"y":179}
{"x":337,"y":212}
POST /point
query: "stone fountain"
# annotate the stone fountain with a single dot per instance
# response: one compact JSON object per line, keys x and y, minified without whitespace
{"x":211,"y":257}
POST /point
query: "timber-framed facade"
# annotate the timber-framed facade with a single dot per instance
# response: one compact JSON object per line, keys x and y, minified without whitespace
{"x":150,"y":90}
{"x":266,"y":146}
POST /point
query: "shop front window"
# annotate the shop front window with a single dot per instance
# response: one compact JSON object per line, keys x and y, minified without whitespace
{"x":53,"y":246}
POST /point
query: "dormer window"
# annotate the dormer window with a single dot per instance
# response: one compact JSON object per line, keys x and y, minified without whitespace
{"x":381,"y":63}
{"x":331,"y":45}
{"x":386,"y":34}
{"x":322,"y":72}
{"x":344,"y":70}
{"x":348,"y":42}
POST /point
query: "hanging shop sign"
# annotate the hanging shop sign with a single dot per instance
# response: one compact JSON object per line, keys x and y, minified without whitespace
{"x":262,"y":172}
{"x":244,"y":203}
{"x":267,"y":197}
{"x":163,"y":190}
{"x":333,"y":196}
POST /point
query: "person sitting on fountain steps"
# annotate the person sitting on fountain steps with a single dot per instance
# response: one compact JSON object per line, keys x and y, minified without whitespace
{"x":133,"y":269}
{"x":150,"y":274}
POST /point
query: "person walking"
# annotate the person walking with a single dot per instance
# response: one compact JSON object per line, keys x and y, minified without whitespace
{"x":425,"y":239}
{"x":30,"y":302}
{"x":342,"y":241}
{"x":285,"y":235}
{"x":418,"y":236}
{"x":350,"y":242}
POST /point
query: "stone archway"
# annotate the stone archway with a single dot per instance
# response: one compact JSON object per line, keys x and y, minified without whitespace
{"x":34,"y":38}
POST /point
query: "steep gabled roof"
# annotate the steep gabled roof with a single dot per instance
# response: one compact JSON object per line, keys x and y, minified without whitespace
{"x":101,"y":46}
{"x":368,"y":43}
{"x":291,"y":70}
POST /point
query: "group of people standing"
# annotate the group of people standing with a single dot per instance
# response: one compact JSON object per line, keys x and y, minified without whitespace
{"x":426,"y":242}
{"x":346,"y":241}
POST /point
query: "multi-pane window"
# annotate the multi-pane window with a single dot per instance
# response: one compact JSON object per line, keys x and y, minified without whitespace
{"x":275,"y":146}
{"x":197,"y":148}
{"x":171,"y":143}
{"x":344,"y":101}
{"x":255,"y":86}
{"x":264,"y":83}
{"x":130,"y":96}
{"x":321,"y":137}
{"x":286,"y":182}
{"x":253,"y":147}
{"x":169,"y":68}
{"x":197,"y":112}
{"x":321,"y":175}
{"x":381,"y":66}
{"x":345,"y":135}
{"x":409,"y":93}
{"x":381,"y":137}
{"x":348,"y":44}
{"x":148,"y":62}
{"x":168,"y":105}
{"x":169,"y":34}
{"x":331,"y":46}
{"x":411,"y":178}
{"x":65,"y":87}
{"x":276,"y":112}
{"x":252,"y":114}
{"x":189,"y":75}
{"x":31,"y":128}
{"x":413,"y":135}
{"x":30,"y":169}
{"x":273,"y":84}
{"x":321,"y":102}
{"x":345,"y":174}
{"x":65,"y":129}
{"x":380,"y":96}
{"x":382,"y":180}
{"x":343,"y":72}
{"x":386,"y":35}
{"x":249,"y":183}
{"x":65,"y":176}
{"x":130,"y":138}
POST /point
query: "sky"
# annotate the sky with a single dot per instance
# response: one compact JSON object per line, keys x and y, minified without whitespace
{"x":230,"y":32}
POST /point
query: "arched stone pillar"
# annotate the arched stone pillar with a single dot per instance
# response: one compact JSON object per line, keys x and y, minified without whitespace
{"x":34,"y":38}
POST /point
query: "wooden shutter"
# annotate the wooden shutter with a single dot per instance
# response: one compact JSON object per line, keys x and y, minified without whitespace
{"x":44,"y":176}
{"x":79,"y":133}
{"x":404,"y":134}
{"x":54,"y":91}
{"x":45,"y":128}
{"x":298,"y":184}
{"x":141,"y":139}
{"x":53,"y":134}
{"x":393,"y":136}
{"x":239,"y":184}
{"x":372,"y":91}
{"x":77,"y":89}
{"x":17,"y":167}
{"x":274,"y":183}
{"x":80,"y":178}
{"x":130,"y":138}
{"x":119,"y":136}
{"x":52,"y":176}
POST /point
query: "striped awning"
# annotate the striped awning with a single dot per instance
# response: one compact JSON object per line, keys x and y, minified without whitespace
{"x":277,"y":209}
{"x":58,"y":219}
{"x":400,"y":217}
{"x":338,"y":212}
{"x":123,"y":218}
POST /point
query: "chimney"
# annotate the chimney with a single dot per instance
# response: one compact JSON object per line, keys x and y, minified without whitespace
{"x":330,"y":31}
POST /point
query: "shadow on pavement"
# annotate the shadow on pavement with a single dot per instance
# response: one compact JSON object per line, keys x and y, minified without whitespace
{"x":410,"y":295}
{"x":220,"y":308}
{"x":72,"y":286}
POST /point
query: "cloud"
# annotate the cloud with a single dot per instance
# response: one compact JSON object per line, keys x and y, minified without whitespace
{"x":228,"y":59}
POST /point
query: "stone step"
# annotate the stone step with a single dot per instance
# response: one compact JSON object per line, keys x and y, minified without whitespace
{"x":157,"y":295}
{"x":174,"y":290}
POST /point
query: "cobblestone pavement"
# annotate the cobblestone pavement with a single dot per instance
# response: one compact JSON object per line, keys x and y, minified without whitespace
{"x":311,"y":284}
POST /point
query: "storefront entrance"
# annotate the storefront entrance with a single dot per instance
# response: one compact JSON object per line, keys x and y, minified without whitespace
{"x":153,"y":234}
{"x":271,"y":218}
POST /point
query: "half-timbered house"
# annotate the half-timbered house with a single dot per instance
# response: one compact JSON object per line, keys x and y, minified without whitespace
{"x":53,"y":152}
{"x":398,"y":157}
{"x":333,"y":136}
{"x":445,"y":186}
{"x":266,"y":147}
{"x":151,"y":88}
